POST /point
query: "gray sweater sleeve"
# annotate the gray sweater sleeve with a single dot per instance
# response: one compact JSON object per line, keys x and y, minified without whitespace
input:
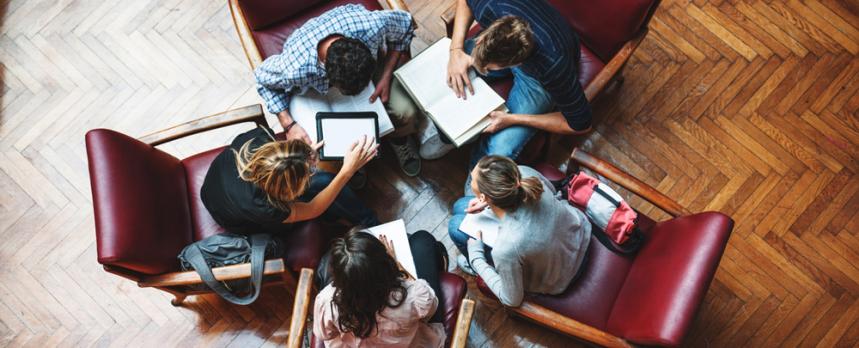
{"x":505,"y":280}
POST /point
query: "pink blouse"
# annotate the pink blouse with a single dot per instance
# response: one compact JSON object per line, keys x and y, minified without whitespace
{"x":403,"y":326}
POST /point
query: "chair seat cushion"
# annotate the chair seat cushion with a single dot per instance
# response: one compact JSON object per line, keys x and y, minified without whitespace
{"x":670,"y":278}
{"x":270,"y":40}
{"x":303,"y":245}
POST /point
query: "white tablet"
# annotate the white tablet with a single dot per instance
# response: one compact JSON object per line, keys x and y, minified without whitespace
{"x":340,"y":130}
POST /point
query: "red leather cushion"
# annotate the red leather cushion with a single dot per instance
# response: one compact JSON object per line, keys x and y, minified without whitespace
{"x":260,"y":13}
{"x":142,"y":219}
{"x":669,"y":279}
{"x":454,"y":289}
{"x":270,"y":40}
{"x":195,"y":173}
{"x":606,"y":25}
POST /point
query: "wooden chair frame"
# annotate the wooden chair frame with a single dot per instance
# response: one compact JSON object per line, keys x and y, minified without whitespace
{"x":249,"y":45}
{"x":303,"y":300}
{"x":176,"y":283}
{"x":572,"y":327}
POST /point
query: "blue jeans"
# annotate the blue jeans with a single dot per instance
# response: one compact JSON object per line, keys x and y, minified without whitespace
{"x":346,"y":206}
{"x":459,"y":238}
{"x":526,"y":97}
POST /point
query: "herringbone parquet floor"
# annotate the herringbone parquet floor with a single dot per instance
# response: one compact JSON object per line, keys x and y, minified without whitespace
{"x":747,"y":107}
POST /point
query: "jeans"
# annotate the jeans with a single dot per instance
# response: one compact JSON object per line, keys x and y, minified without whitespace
{"x":346,"y":206}
{"x":526,"y":97}
{"x":459,"y":238}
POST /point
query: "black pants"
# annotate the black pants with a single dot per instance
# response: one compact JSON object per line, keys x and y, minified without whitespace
{"x":429,"y":255}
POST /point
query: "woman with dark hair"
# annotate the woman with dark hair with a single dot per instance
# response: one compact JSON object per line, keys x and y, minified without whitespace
{"x":371,"y":302}
{"x":541,"y":242}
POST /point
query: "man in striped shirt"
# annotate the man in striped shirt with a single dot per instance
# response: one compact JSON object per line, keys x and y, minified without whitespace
{"x":531,"y":41}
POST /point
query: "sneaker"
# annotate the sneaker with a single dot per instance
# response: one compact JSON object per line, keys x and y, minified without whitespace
{"x":434,"y":148}
{"x":358,"y":180}
{"x":463,"y":264}
{"x":407,"y":155}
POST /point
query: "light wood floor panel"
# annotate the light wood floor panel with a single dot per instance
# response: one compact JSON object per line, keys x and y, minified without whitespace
{"x":750,"y":107}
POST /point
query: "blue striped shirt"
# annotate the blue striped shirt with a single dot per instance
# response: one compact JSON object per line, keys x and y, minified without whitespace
{"x":556,"y":58}
{"x":298,"y":68}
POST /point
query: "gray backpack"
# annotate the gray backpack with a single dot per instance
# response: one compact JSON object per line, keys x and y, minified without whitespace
{"x":227,"y":249}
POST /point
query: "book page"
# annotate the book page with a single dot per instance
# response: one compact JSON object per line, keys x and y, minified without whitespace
{"x":395,"y":231}
{"x":340,"y":133}
{"x":455,"y":116}
{"x":484,"y":221}
{"x":303,"y":109}
{"x":361,"y":103}
{"x":425,"y":75}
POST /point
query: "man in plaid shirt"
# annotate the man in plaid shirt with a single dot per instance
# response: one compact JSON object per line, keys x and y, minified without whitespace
{"x":340,"y":49}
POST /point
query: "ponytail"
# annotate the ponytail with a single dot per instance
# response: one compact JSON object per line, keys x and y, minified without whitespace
{"x":499,"y":179}
{"x":530,"y":189}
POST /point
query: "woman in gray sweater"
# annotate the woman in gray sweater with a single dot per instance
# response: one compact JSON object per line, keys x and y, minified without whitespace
{"x":541,"y":242}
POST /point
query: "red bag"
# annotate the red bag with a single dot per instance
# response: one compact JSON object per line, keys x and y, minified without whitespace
{"x":607,"y":210}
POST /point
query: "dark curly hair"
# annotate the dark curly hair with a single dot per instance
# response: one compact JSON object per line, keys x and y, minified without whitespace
{"x":349,"y":65}
{"x":366,"y":281}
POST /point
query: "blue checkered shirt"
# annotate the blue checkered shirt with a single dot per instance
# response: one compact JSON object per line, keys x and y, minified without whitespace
{"x":298,"y":68}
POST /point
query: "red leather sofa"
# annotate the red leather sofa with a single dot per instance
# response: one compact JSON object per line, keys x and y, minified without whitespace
{"x":147,"y":208}
{"x":649,"y":298}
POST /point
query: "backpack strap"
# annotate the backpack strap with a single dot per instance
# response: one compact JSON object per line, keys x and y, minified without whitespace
{"x":630,"y":247}
{"x":258,"y":245}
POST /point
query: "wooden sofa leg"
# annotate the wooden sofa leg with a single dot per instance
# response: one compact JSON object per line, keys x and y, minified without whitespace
{"x":177,"y":301}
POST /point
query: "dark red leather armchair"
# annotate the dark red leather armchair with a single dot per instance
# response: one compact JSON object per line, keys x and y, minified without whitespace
{"x":263,"y":25}
{"x":649,"y":298}
{"x":457,"y":318}
{"x":609,"y":32}
{"x":147,"y":208}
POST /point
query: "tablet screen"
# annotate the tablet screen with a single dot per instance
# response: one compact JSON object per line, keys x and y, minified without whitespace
{"x":340,"y":133}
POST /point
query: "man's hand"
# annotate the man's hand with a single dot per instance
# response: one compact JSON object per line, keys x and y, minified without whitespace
{"x":298,"y":132}
{"x":475,"y":205}
{"x":457,"y":73}
{"x":498,"y":120}
{"x":383,"y":89}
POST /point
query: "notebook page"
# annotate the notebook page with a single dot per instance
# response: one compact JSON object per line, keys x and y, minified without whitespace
{"x":395,"y":231}
{"x":484,"y":221}
{"x":303,"y":109}
{"x":361,"y":103}
{"x":455,"y":116}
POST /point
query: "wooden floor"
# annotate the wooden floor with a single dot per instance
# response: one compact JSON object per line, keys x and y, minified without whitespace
{"x":746,"y":107}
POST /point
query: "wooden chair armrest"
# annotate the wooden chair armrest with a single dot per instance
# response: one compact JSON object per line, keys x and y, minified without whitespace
{"x":245,"y":36}
{"x":397,"y":5}
{"x":250,"y":113}
{"x":629,"y":182}
{"x":614,"y":66}
{"x":274,"y":266}
{"x":568,"y":326}
{"x":300,"y":309}
{"x":463,"y":324}
{"x":447,"y":18}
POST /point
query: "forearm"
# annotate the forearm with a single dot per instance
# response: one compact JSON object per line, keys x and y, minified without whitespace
{"x":391,"y":60}
{"x":320,"y":203}
{"x":553,"y":122}
{"x":285,"y":118}
{"x":461,"y":22}
{"x":510,"y":293}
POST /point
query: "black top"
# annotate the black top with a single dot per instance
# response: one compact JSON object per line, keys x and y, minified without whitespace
{"x":556,"y":58}
{"x":237,"y":205}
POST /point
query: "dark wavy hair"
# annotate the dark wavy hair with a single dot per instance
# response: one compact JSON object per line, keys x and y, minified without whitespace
{"x":349,"y":65}
{"x":366,"y":281}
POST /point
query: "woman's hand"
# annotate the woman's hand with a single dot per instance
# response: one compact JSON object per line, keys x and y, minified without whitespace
{"x":388,"y":245}
{"x":457,"y":73}
{"x":475,"y":205}
{"x":480,"y":236}
{"x":361,"y":152}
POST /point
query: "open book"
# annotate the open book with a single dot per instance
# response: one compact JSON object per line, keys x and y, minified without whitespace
{"x":395,"y":231}
{"x":304,"y":107}
{"x":424,"y":77}
{"x":485,"y":222}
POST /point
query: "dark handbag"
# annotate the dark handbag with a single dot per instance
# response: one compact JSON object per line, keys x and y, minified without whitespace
{"x":228,"y":249}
